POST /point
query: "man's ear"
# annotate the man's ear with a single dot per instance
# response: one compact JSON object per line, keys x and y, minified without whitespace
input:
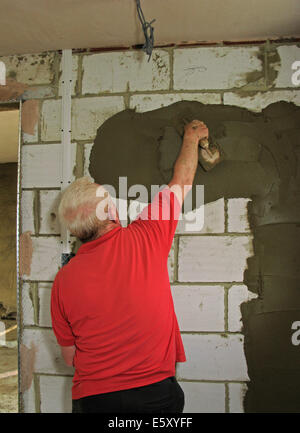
{"x":112,"y":212}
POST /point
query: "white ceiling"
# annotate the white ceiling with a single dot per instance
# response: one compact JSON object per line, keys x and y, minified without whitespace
{"x":29,"y":26}
{"x":33,"y":26}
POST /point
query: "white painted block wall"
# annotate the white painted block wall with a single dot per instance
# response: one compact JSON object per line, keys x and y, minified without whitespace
{"x":206,"y":268}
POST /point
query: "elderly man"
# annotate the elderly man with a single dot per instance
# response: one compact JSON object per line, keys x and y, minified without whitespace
{"x":111,"y":305}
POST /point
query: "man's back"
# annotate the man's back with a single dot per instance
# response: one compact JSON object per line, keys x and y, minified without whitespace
{"x":113,"y":302}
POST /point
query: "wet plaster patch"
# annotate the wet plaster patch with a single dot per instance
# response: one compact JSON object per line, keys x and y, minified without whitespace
{"x":256,"y":78}
{"x":273,"y":62}
{"x":261,"y":161}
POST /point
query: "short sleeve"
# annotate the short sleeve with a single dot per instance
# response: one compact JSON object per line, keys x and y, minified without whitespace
{"x":162,"y":215}
{"x":60,"y":325}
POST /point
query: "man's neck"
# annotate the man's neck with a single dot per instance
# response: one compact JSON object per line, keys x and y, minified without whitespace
{"x":112,"y":225}
{"x":101,"y":232}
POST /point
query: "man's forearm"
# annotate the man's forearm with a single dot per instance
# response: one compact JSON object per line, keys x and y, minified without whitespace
{"x":187,"y":161}
{"x":68,"y":353}
{"x":186,"y":164}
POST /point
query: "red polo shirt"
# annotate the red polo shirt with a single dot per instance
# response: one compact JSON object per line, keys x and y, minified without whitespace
{"x":113,"y":302}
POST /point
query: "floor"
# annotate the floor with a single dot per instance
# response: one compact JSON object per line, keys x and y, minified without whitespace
{"x":8,"y":370}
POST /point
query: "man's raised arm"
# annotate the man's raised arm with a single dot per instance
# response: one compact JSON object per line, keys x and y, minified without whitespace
{"x":186,"y":164}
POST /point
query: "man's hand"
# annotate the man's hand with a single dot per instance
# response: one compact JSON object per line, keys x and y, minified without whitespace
{"x":196,"y":130}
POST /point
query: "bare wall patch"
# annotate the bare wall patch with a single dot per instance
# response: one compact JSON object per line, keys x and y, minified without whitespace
{"x":30,"y":116}
{"x":12,"y":90}
{"x":25,"y":256}
{"x":28,"y":357}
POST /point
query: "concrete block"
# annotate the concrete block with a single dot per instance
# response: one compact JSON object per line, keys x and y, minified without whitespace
{"x":171,"y":262}
{"x":41,"y":165}
{"x":40,"y":92}
{"x":213,"y":357}
{"x":74,"y":75}
{"x":51,"y":120}
{"x":237,"y":393}
{"x":288,"y":55}
{"x":260,"y":100}
{"x":125,"y":71}
{"x":48,"y":357}
{"x":27,"y":305}
{"x":199,"y":308}
{"x":88,"y":114}
{"x":29,"y":400}
{"x":30,"y":68}
{"x":236,"y":296}
{"x":214,"y":219}
{"x":203,"y":397}
{"x":213,"y":258}
{"x":44,"y":295}
{"x":56,"y":394}
{"x":49,"y":201}
{"x":46,"y":258}
{"x":142,"y":103}
{"x":26,"y":211}
{"x":216,"y":67}
{"x":238,"y":215}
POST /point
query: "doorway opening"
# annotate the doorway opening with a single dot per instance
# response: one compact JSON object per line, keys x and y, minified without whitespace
{"x":9,"y":151}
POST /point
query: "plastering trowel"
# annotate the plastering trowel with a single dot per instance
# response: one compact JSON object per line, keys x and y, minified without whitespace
{"x":209,"y":155}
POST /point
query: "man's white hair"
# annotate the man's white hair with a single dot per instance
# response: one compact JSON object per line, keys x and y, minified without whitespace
{"x":77,"y":209}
